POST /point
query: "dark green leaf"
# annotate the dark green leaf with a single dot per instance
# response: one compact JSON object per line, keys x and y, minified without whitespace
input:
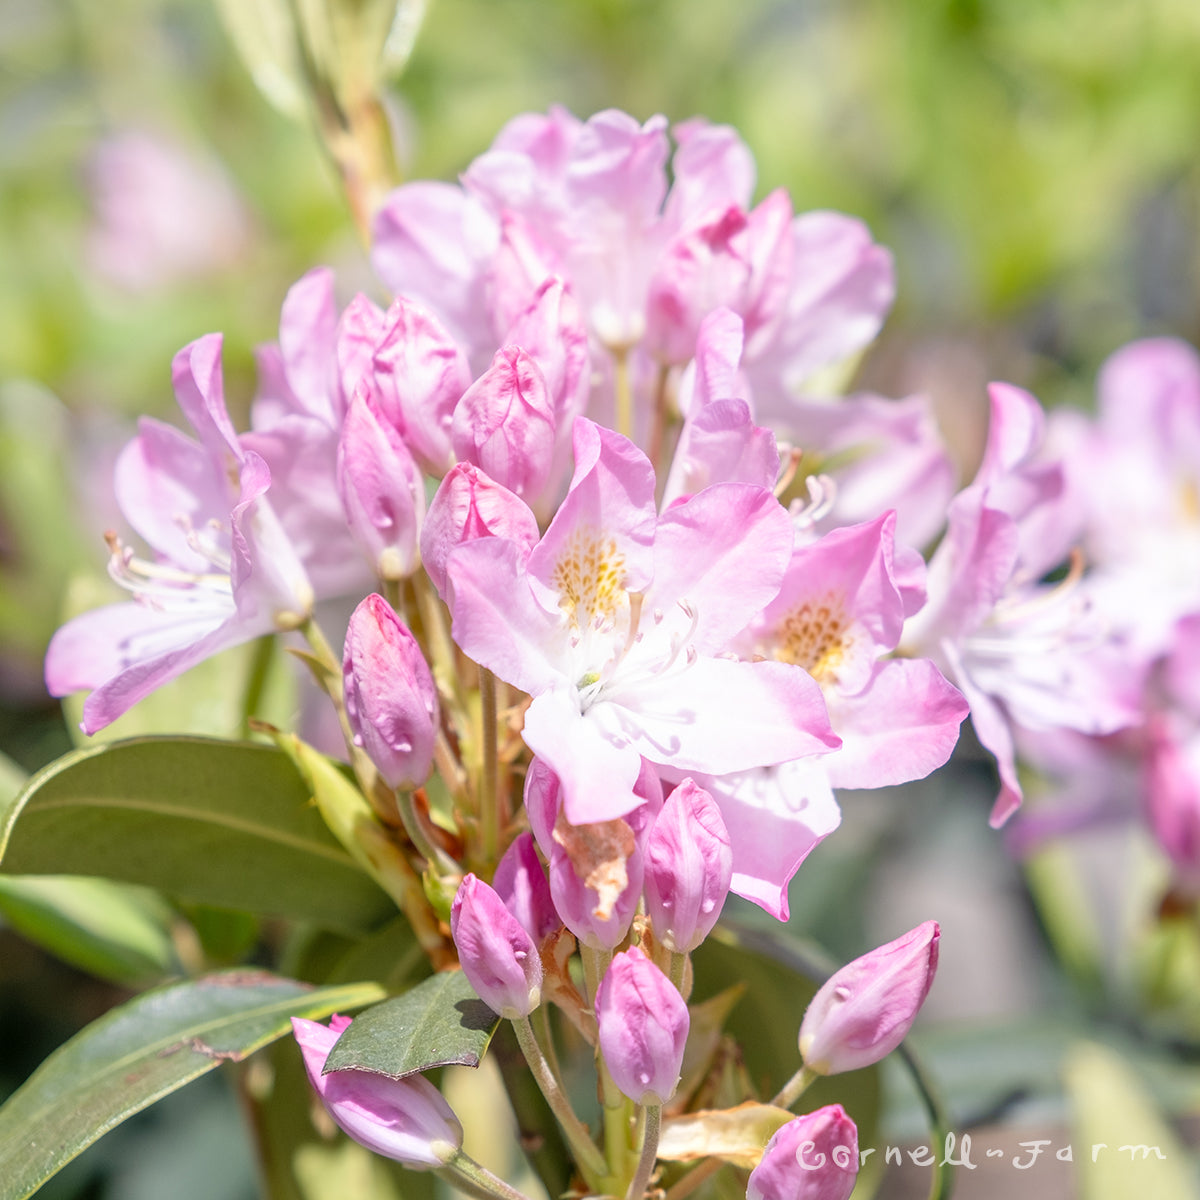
{"x":142,"y":1051}
{"x":222,"y":823}
{"x":441,"y":1021}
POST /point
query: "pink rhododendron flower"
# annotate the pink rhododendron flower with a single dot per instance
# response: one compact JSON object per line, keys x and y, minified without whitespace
{"x":838,"y":615}
{"x":614,"y":621}
{"x":224,"y":569}
{"x":1021,"y":652}
{"x":588,"y":203}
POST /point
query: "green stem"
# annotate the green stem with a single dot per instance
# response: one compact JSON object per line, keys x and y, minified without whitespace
{"x":678,"y":970}
{"x":645,"y":1167}
{"x":941,"y":1185}
{"x":588,"y":1158}
{"x":613,"y":1100}
{"x":437,"y":858}
{"x":794,"y":1088}
{"x":463,"y":1172}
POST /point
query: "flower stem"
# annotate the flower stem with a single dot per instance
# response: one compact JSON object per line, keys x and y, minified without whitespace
{"x":645,"y":1167}
{"x":613,"y":1101}
{"x":587,"y":1157}
{"x":678,"y":970}
{"x":624,"y":396}
{"x":464,"y":1173}
{"x":794,"y":1088}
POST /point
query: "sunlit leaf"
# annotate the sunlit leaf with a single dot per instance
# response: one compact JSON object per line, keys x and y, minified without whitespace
{"x":441,"y":1021}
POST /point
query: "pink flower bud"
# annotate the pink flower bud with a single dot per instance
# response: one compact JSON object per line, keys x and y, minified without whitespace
{"x":643,"y":1024}
{"x":358,"y":332}
{"x":1172,"y":797}
{"x":814,"y":1157}
{"x":497,"y":954}
{"x":552,"y":332}
{"x":381,"y":487}
{"x":421,"y":374}
{"x":470,"y":505}
{"x":866,"y":1009}
{"x":505,"y":423}
{"x":688,"y":865}
{"x":597,"y":894}
{"x":391,"y":701}
{"x":405,"y":1119}
{"x":520,"y":881}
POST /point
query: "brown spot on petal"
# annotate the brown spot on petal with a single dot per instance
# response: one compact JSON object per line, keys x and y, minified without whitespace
{"x":598,"y":853}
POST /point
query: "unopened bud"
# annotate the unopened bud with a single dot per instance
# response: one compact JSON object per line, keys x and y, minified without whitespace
{"x":470,"y":505}
{"x":688,"y":868}
{"x":381,"y":488}
{"x":814,"y":1157}
{"x":391,"y":700}
{"x":643,"y":1024}
{"x":405,"y":1119}
{"x":865,"y":1010}
{"x":505,"y":424}
{"x":520,"y":881}
{"x":497,"y":954}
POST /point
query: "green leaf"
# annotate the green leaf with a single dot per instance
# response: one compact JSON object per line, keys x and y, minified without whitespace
{"x":221,"y":823}
{"x":441,"y":1021}
{"x":264,"y":34}
{"x":142,"y":1051}
{"x":115,"y":931}
{"x":1140,"y":1155}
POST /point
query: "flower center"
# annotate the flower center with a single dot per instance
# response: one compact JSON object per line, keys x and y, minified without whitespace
{"x":815,"y":636}
{"x":590,"y":578}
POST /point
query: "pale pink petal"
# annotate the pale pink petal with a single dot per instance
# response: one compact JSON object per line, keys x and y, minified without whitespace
{"x":169,"y":489}
{"x":721,"y":444}
{"x":718,"y":715}
{"x":994,"y":732}
{"x":433,"y":242}
{"x":307,"y":329}
{"x":712,"y":169}
{"x":496,"y":620}
{"x":718,"y":558}
{"x":900,"y":727}
{"x":595,"y":762}
{"x":607,"y":518}
{"x":775,"y":816}
{"x":200,"y":390}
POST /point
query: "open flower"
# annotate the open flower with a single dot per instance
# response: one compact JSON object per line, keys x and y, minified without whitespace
{"x":614,"y":623}
{"x":224,"y":571}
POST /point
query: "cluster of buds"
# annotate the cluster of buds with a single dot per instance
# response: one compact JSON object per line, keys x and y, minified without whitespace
{"x":613,"y":549}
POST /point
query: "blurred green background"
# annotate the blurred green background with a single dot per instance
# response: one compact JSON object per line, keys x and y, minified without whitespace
{"x":1034,"y":166}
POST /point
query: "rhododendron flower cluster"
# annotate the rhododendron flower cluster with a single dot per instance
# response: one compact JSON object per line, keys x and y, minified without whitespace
{"x":635,"y":596}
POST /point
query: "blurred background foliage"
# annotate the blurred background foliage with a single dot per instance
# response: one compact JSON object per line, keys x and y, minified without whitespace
{"x":1034,"y":166}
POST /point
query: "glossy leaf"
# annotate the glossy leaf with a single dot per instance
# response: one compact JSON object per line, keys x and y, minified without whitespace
{"x":441,"y":1021}
{"x":221,"y":823}
{"x":142,"y":1051}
